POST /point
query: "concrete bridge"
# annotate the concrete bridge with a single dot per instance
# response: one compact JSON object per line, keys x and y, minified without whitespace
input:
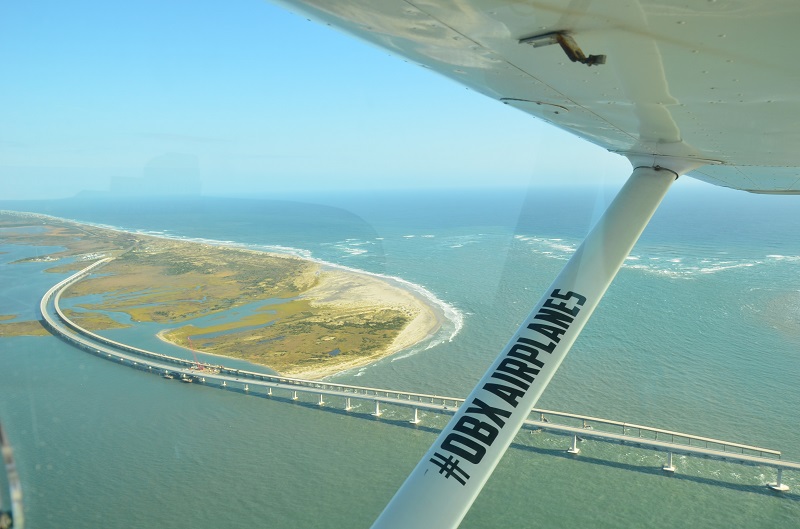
{"x":576,"y":426}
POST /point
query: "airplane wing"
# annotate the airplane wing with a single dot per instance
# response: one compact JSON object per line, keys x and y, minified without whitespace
{"x":706,"y":88}
{"x":714,"y":81}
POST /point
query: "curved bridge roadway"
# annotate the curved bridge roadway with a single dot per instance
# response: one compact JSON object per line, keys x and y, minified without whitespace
{"x":577,"y":426}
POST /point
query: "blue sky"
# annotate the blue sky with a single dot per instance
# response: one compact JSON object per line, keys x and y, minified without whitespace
{"x":250,"y":99}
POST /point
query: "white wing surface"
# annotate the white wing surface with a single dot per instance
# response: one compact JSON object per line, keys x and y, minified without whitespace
{"x":714,"y":80}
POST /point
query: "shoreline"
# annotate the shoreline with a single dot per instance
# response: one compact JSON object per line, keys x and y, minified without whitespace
{"x":448,"y":312}
{"x":341,"y":288}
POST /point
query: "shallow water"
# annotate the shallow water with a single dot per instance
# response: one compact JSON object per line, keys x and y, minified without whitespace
{"x":698,"y":334}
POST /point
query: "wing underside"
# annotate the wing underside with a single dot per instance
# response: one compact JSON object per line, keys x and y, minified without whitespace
{"x":712,"y":81}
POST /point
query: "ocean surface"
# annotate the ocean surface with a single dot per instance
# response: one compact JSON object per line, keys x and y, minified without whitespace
{"x":699,"y":333}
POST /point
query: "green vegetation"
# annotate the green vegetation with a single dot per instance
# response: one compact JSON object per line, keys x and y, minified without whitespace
{"x":299,"y":335}
{"x":21,"y":328}
{"x":93,"y":320}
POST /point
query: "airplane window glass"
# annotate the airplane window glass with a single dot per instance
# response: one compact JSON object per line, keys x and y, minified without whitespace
{"x":251,"y":268}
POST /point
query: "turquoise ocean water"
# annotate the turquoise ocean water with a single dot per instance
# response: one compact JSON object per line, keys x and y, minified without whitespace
{"x":699,"y":333}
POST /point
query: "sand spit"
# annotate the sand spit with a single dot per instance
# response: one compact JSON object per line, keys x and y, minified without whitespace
{"x":336,"y":319}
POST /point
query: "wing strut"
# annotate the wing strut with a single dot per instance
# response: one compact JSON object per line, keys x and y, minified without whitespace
{"x":14,"y":517}
{"x":442,"y":487}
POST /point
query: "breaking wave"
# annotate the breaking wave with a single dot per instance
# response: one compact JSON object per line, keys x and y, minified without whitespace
{"x":662,"y":262}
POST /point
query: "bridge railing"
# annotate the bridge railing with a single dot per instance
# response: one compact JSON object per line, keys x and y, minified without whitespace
{"x":650,"y":432}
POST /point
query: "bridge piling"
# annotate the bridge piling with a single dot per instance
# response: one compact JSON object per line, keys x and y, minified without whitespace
{"x":347,"y":405}
{"x":415,"y":420}
{"x":377,"y":412}
{"x":669,"y":467}
{"x":574,"y":450}
{"x":778,"y":486}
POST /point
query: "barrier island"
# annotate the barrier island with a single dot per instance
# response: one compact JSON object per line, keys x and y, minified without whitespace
{"x":295,"y":316}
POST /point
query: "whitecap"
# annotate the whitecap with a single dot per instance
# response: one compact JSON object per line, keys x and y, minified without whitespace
{"x":354,"y":251}
{"x":789,"y":258}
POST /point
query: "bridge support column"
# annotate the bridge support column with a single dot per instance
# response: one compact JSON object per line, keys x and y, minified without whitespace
{"x":574,"y":450}
{"x":269,"y":391}
{"x":377,"y":412}
{"x":415,"y":420}
{"x":347,"y":405}
{"x":669,"y":467}
{"x":294,"y":394}
{"x":778,"y":486}
{"x":320,"y":402}
{"x":224,"y":384}
{"x":246,"y":387}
